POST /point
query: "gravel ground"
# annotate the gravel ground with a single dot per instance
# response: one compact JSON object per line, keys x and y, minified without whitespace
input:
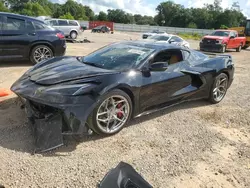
{"x":190,"y":145}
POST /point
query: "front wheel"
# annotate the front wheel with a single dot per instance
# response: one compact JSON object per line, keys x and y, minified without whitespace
{"x":223,"y":49}
{"x":219,"y":88}
{"x":111,"y":113}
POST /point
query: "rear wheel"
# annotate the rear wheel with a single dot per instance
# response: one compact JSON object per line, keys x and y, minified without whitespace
{"x":40,"y":53}
{"x":111,"y":114}
{"x":219,"y":88}
{"x":239,"y":48}
{"x":73,"y":34}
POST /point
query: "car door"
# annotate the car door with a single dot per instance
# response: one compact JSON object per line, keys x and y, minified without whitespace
{"x":1,"y":42}
{"x":232,"y":41}
{"x":16,"y":38}
{"x":164,"y":87}
{"x":64,"y":26}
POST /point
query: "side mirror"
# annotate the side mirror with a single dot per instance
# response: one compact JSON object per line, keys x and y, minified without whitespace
{"x":232,"y":37}
{"x":159,"y":66}
{"x":171,"y":40}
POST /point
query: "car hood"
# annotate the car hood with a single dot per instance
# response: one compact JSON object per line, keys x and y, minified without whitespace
{"x":63,"y":69}
{"x":214,"y":37}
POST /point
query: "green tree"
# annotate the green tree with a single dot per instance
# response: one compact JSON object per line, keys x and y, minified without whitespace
{"x":57,"y":10}
{"x":33,"y":9}
{"x":67,"y":16}
{"x":102,"y":16}
{"x":16,"y":5}
{"x":192,"y":25}
{"x":75,"y":9}
{"x":3,"y":8}
{"x":89,"y":13}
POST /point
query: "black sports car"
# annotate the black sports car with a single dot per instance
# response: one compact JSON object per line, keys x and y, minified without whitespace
{"x":103,"y":90}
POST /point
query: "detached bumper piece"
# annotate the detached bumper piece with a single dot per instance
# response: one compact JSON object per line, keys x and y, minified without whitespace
{"x":211,"y":47}
{"x":47,"y":127}
{"x":123,"y":176}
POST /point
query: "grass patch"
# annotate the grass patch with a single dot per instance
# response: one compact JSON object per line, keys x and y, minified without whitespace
{"x":194,"y":36}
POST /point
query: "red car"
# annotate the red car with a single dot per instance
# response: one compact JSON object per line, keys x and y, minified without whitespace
{"x":221,"y":40}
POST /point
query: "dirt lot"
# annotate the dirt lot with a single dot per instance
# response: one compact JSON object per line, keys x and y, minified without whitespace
{"x":190,"y":145}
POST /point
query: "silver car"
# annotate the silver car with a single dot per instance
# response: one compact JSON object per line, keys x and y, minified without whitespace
{"x":71,"y":28}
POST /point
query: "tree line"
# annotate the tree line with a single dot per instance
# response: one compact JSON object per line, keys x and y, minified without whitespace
{"x":168,"y":13}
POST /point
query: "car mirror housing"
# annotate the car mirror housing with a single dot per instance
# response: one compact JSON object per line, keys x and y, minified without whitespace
{"x":171,"y":40}
{"x":159,"y":66}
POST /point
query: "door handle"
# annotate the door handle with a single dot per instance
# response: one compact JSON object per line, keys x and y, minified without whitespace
{"x":32,"y":34}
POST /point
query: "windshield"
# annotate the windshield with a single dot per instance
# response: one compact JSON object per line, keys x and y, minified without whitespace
{"x":248,"y":24}
{"x":118,"y":57}
{"x":221,"y":33}
{"x":159,"y":38}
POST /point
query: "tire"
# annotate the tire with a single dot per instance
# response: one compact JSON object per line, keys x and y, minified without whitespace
{"x":73,"y":35}
{"x":239,"y":48}
{"x":46,"y":53}
{"x":245,"y":47}
{"x":105,"y":111}
{"x":223,"y":49}
{"x":220,"y":81}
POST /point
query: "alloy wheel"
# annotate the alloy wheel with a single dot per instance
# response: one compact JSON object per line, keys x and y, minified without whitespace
{"x":220,"y":89}
{"x":42,"y":53}
{"x":112,"y":114}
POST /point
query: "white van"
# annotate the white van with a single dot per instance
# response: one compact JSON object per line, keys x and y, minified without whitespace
{"x":71,"y":28}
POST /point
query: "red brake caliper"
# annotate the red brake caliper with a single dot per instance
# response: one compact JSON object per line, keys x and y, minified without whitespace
{"x":119,"y":114}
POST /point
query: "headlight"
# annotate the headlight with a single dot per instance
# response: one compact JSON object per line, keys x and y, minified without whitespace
{"x":219,"y":41}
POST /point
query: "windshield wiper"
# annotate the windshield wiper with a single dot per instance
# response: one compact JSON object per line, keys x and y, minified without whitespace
{"x":92,"y":64}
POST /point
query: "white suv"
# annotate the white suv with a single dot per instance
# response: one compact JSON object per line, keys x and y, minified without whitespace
{"x":71,"y":28}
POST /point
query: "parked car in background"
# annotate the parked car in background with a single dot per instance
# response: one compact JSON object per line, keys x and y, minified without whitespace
{"x":23,"y":38}
{"x":167,"y":38}
{"x":152,"y":33}
{"x":221,"y":40}
{"x":101,"y":29}
{"x":70,"y":28}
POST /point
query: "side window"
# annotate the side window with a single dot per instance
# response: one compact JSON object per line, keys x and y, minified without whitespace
{"x":185,"y":54}
{"x":235,"y":34}
{"x":53,"y":23}
{"x":39,"y":26}
{"x":29,"y":26}
{"x":176,"y":39}
{"x":1,"y":23}
{"x":168,"y":56}
{"x":15,"y":24}
{"x":63,"y":23}
{"x":231,"y":34}
{"x":73,"y":23}
{"x":164,"y":38}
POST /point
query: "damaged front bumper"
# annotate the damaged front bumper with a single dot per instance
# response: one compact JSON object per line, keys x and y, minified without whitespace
{"x":49,"y":124}
{"x":53,"y":115}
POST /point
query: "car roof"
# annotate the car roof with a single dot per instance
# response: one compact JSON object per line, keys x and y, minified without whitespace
{"x":49,"y":19}
{"x":21,"y":16}
{"x":153,"y":45}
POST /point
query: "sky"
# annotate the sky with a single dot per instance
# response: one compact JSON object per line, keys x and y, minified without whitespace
{"x":147,"y":7}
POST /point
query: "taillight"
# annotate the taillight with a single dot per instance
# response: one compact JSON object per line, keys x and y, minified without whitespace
{"x":60,"y":35}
